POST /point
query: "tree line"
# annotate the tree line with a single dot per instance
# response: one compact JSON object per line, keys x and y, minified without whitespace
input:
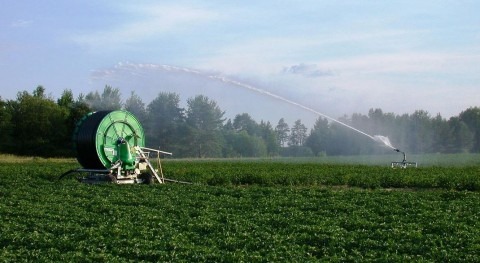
{"x":39,"y":125}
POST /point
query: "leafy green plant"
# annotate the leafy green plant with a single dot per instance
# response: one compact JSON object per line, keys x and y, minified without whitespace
{"x":296,"y":213}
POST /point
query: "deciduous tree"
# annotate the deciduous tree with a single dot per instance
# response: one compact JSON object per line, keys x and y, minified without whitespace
{"x":110,"y":99}
{"x":471,"y":117}
{"x":319,"y":136}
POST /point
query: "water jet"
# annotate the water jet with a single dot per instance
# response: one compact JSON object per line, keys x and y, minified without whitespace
{"x":134,"y":68}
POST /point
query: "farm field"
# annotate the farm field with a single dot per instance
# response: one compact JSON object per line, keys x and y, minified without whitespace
{"x":242,"y":210}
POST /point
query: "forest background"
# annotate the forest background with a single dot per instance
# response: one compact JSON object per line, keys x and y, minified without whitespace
{"x":36,"y":124}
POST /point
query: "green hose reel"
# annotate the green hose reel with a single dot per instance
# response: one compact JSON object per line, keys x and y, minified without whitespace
{"x":110,"y":147}
{"x":104,"y":137}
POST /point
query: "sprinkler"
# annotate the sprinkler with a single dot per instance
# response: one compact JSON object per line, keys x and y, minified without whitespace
{"x":403,"y":163}
{"x":110,"y":147}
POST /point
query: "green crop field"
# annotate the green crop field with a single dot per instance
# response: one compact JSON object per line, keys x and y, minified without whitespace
{"x":243,"y":211}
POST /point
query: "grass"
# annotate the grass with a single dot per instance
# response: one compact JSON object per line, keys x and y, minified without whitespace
{"x":10,"y":158}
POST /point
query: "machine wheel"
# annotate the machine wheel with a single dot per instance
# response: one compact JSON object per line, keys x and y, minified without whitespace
{"x":111,"y":178}
{"x":147,"y":178}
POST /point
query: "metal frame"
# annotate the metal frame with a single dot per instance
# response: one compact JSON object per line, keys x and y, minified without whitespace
{"x":145,"y":155}
{"x":403,"y":163}
{"x":115,"y":173}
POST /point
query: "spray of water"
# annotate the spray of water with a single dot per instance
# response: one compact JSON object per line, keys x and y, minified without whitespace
{"x":384,"y":140}
{"x":377,"y":138}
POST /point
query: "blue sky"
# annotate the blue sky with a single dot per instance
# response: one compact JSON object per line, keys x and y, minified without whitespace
{"x":336,"y":57}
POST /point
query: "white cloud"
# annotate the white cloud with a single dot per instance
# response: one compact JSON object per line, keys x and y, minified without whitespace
{"x":386,"y":65}
{"x":406,"y":62}
{"x":307,"y":70}
{"x":21,"y":23}
{"x":144,"y":23}
{"x":270,"y":54}
{"x":439,"y":82}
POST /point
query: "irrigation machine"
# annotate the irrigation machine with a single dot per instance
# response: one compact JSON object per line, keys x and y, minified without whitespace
{"x":403,"y":163}
{"x":110,"y":147}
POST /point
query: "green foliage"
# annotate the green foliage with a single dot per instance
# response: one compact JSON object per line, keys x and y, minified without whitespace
{"x":45,"y":220}
{"x":415,"y":133}
{"x":36,"y":124}
{"x":274,"y":173}
{"x":246,"y":138}
{"x":6,"y":126}
{"x":270,"y":138}
{"x":135,"y":105}
{"x":298,"y":134}
{"x":471,"y":117}
{"x":39,"y":124}
{"x":282,"y":131}
{"x":318,"y":139}
{"x":110,"y":99}
{"x":205,"y":120}
{"x":165,"y":126}
{"x":245,"y":123}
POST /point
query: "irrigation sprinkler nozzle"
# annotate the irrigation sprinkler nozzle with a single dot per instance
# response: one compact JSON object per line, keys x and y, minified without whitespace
{"x":403,"y":163}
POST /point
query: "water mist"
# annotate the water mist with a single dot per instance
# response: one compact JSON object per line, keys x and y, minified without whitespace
{"x":133,"y":68}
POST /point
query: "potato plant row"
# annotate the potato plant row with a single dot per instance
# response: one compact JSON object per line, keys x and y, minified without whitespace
{"x":226,"y":173}
{"x":45,"y":220}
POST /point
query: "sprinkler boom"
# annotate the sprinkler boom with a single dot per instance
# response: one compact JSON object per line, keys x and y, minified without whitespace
{"x":403,"y":163}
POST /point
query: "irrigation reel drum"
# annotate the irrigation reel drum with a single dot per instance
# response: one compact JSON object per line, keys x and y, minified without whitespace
{"x":110,"y":147}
